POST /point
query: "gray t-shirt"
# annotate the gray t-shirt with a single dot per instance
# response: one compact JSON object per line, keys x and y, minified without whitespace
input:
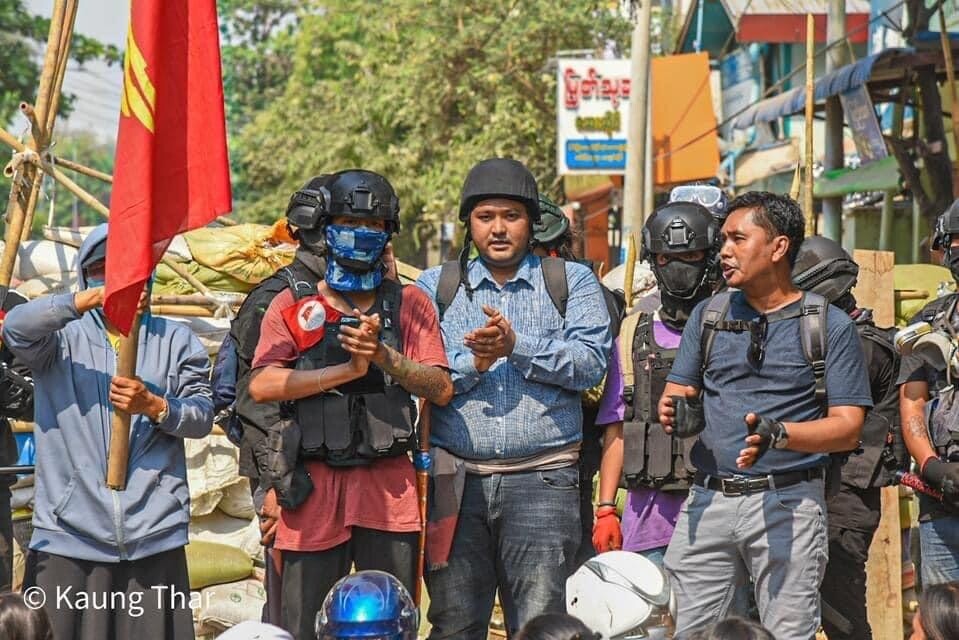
{"x":782,"y":387}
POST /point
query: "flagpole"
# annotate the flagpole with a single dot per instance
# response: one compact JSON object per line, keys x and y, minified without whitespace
{"x":118,"y":456}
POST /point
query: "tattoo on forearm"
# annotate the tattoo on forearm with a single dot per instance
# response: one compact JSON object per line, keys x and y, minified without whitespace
{"x":916,"y":427}
{"x":420,"y":380}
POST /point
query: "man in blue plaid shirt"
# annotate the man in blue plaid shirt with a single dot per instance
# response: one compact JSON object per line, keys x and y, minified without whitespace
{"x":519,"y":361}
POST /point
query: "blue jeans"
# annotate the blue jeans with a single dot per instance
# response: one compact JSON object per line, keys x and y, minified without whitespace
{"x":939,"y":544}
{"x":517,"y":532}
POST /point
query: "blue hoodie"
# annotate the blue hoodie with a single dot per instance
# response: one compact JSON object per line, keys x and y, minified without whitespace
{"x":72,"y":360}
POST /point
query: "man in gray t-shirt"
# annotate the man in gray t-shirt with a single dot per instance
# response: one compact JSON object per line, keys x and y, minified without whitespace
{"x":757,"y":507}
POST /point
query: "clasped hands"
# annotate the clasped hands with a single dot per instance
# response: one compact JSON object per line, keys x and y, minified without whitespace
{"x":494,"y":340}
{"x":363,"y":342}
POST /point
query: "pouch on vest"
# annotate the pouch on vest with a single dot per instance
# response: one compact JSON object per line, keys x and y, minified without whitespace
{"x":288,"y":475}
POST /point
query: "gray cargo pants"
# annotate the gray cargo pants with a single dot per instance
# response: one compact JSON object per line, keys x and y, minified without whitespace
{"x":778,"y":537}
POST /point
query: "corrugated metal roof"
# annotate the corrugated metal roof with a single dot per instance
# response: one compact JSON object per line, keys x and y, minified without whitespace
{"x":736,"y":8}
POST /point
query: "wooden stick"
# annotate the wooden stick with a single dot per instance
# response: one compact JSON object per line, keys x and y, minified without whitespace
{"x":810,"y":113}
{"x":198,"y":300}
{"x":951,"y":77}
{"x":119,"y":454}
{"x":35,"y":130}
{"x":193,"y":311}
{"x":422,"y":489}
{"x":796,"y":186}
{"x":630,"y":274}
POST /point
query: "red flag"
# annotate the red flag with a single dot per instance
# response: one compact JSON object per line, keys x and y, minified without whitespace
{"x":172,"y":170}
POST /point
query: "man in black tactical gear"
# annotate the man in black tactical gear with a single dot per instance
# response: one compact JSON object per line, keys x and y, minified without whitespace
{"x":250,"y":421}
{"x":679,"y":245}
{"x":345,"y":354}
{"x":823,"y":267}
{"x":16,"y":403}
{"x":935,"y":444}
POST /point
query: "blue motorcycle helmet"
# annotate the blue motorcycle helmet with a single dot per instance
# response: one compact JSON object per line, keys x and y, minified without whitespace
{"x":372,"y":605}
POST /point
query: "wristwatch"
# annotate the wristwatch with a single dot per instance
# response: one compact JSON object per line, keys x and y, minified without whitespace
{"x":164,"y":412}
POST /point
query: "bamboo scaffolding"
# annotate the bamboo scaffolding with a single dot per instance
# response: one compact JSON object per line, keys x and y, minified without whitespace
{"x":79,"y":168}
{"x":810,"y":113}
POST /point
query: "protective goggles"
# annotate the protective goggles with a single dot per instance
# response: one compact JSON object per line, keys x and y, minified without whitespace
{"x":706,"y":195}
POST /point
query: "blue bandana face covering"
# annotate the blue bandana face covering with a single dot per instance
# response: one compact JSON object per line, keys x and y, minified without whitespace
{"x":355,"y":257}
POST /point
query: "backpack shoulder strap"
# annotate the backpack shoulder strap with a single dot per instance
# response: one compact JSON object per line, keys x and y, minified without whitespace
{"x":713,"y":314}
{"x":812,"y":331}
{"x":448,"y":286}
{"x":557,"y":286}
{"x":301,"y":288}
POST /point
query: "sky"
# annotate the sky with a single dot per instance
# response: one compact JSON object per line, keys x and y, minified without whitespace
{"x":95,"y":85}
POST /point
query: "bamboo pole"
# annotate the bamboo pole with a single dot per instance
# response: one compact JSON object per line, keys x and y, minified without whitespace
{"x":951,"y":77}
{"x":630,"y":274}
{"x":48,"y":101}
{"x":119,"y":453}
{"x":796,"y":186}
{"x":79,"y":168}
{"x":197,"y":300}
{"x":191,"y":310}
{"x":810,"y":112}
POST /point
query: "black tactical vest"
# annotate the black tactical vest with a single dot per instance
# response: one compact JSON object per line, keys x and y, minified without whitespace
{"x":368,"y":418}
{"x":651,"y":458}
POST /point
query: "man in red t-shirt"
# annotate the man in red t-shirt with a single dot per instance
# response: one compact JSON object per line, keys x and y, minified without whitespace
{"x":349,"y":351}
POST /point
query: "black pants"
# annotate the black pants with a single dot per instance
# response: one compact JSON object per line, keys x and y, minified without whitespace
{"x":6,"y":539}
{"x":589,"y":460}
{"x":853,"y":516}
{"x":309,"y":576}
{"x":131,"y":600}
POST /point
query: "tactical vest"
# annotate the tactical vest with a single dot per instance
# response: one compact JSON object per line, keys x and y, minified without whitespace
{"x":943,"y":410}
{"x":368,"y":418}
{"x":652,"y":458}
{"x":883,"y":449}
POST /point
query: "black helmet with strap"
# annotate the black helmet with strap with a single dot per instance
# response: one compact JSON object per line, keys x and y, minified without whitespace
{"x":553,"y":223}
{"x":358,"y":193}
{"x":823,"y":267}
{"x":500,"y":178}
{"x":680,"y":227}
{"x":301,"y":212}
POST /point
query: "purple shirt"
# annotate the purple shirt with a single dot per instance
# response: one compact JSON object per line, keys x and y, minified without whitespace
{"x":650,"y":516}
{"x":612,"y":407}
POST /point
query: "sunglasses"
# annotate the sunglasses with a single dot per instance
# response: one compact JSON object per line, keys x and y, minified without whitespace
{"x":757,"y":341}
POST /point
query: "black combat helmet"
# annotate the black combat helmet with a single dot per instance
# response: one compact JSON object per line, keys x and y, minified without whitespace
{"x":301,"y":211}
{"x":823,"y":267}
{"x":360,"y":194}
{"x":680,"y":227}
{"x":553,"y":223}
{"x":946,"y":225}
{"x":500,"y":178}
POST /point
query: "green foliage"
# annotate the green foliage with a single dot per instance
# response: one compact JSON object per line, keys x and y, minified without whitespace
{"x":418,"y":91}
{"x":90,"y":151}
{"x":23,"y":37}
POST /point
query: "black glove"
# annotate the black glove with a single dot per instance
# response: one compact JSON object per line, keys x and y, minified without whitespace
{"x":943,"y":476}
{"x":770,"y":433}
{"x":690,"y":419}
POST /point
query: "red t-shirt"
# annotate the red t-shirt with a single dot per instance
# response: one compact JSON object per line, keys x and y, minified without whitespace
{"x":381,"y":495}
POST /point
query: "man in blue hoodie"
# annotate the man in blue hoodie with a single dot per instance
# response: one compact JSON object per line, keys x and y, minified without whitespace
{"x":105,"y":563}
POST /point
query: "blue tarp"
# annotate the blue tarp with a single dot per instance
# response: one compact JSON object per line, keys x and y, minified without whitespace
{"x":832,"y":84}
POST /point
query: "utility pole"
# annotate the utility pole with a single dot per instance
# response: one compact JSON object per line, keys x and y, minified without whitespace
{"x":834,"y":156}
{"x":634,"y":183}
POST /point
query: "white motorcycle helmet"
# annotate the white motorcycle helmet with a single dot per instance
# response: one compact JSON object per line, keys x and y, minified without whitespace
{"x":620,"y":594}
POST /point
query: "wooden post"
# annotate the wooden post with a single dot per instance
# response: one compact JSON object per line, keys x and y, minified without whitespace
{"x":630,"y":274}
{"x":119,"y":452}
{"x":634,"y":183}
{"x":810,"y":113}
{"x":876,"y":290}
{"x":951,"y":77}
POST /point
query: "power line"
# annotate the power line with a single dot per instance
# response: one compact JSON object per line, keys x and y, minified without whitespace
{"x":780,"y":82}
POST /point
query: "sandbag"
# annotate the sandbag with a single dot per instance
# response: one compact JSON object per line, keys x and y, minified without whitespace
{"x":21,"y":497}
{"x":210,"y":331}
{"x":212,"y":464}
{"x":169,"y":283}
{"x":223,"y":529}
{"x":37,"y":258}
{"x":246,"y":252}
{"x":19,"y":567}
{"x":237,"y":501}
{"x":226,"y":605}
{"x":210,"y":563}
{"x":919,"y":277}
{"x":643,"y":279}
{"x":48,"y":285}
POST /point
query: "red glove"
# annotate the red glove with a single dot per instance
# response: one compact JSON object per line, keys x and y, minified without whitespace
{"x":606,"y":533}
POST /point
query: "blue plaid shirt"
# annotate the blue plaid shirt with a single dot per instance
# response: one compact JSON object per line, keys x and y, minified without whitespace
{"x":528,"y":403}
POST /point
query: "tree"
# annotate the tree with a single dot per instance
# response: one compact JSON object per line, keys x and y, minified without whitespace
{"x":22,"y":39}
{"x":419,"y":92}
